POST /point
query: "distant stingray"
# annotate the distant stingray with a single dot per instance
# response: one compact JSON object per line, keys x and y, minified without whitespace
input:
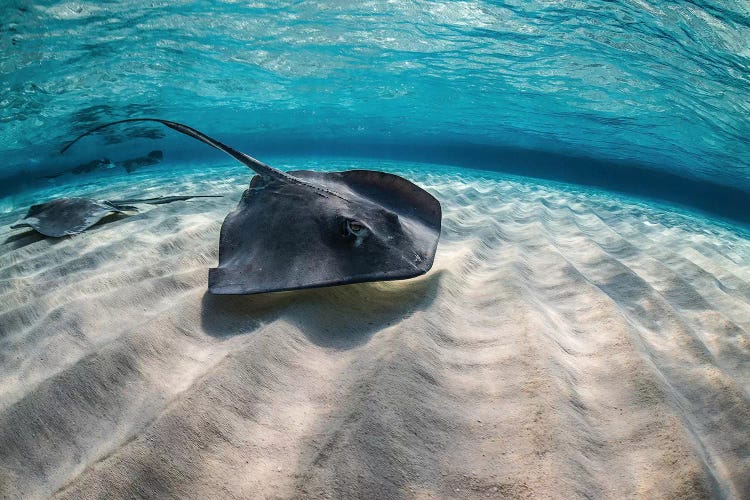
{"x":68,"y":216}
{"x":306,"y":229}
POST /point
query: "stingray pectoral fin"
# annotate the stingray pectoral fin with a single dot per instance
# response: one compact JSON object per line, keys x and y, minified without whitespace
{"x":396,"y":193}
{"x":19,"y":224}
{"x":255,"y":165}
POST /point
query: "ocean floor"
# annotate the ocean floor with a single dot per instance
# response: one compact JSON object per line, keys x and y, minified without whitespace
{"x":566,"y":344}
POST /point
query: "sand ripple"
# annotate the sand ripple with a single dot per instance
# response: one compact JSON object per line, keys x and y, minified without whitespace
{"x":566,"y":344}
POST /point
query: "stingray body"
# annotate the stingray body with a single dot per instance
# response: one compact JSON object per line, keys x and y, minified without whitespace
{"x":68,"y":216}
{"x":282,"y":236}
{"x":305,"y":229}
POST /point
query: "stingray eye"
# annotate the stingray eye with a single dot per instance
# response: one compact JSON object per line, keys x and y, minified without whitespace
{"x":356,"y":229}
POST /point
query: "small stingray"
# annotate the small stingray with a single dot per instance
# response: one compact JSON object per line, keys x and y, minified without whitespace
{"x":68,"y":216}
{"x":306,"y":229}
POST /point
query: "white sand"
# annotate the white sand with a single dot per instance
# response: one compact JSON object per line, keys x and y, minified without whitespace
{"x":565,"y":345}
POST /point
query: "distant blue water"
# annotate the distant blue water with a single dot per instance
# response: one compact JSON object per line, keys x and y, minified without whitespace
{"x":645,"y":97}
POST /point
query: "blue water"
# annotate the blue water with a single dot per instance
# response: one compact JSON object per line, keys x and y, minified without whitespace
{"x":650,"y":98}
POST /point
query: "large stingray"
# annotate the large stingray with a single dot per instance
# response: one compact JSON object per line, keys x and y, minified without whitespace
{"x":305,"y":229}
{"x":69,"y":216}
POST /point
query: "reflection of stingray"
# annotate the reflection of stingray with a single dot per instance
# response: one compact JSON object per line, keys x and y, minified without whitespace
{"x":130,"y":165}
{"x":145,"y":133}
{"x":84,"y":168}
{"x":92,"y":165}
{"x":68,"y":216}
{"x":308,"y":229}
{"x":152,"y":158}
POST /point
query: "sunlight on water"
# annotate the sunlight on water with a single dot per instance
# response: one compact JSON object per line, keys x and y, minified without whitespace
{"x":658,"y":83}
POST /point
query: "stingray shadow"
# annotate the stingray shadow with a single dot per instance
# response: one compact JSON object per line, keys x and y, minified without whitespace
{"x":339,"y":317}
{"x":20,"y":240}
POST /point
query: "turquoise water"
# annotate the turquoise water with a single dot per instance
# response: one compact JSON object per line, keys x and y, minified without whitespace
{"x":647,"y":97}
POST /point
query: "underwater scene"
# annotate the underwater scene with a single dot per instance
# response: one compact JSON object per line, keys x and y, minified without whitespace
{"x":375,"y":249}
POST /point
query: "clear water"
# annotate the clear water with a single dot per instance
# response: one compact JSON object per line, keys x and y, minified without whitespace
{"x":629,"y":95}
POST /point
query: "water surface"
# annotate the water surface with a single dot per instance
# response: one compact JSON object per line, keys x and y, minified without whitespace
{"x":630,"y":95}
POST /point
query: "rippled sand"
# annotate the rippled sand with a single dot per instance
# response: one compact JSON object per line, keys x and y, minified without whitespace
{"x":566,"y":344}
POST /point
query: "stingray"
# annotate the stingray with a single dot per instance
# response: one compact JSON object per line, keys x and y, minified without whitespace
{"x":69,"y":216}
{"x":306,"y":229}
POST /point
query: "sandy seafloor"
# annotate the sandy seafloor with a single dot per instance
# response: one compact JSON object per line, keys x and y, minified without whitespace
{"x":566,"y":344}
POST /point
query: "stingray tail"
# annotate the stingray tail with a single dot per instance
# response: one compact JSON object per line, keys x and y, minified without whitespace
{"x":257,"y":166}
{"x":161,"y":200}
{"x":120,"y":207}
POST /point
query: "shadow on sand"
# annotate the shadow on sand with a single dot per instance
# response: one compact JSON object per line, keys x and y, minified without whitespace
{"x":20,"y":240}
{"x":338,"y":317}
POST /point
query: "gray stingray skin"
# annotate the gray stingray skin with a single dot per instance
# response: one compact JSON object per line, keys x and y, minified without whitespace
{"x":282,"y":236}
{"x":67,"y":216}
{"x":305,"y":229}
